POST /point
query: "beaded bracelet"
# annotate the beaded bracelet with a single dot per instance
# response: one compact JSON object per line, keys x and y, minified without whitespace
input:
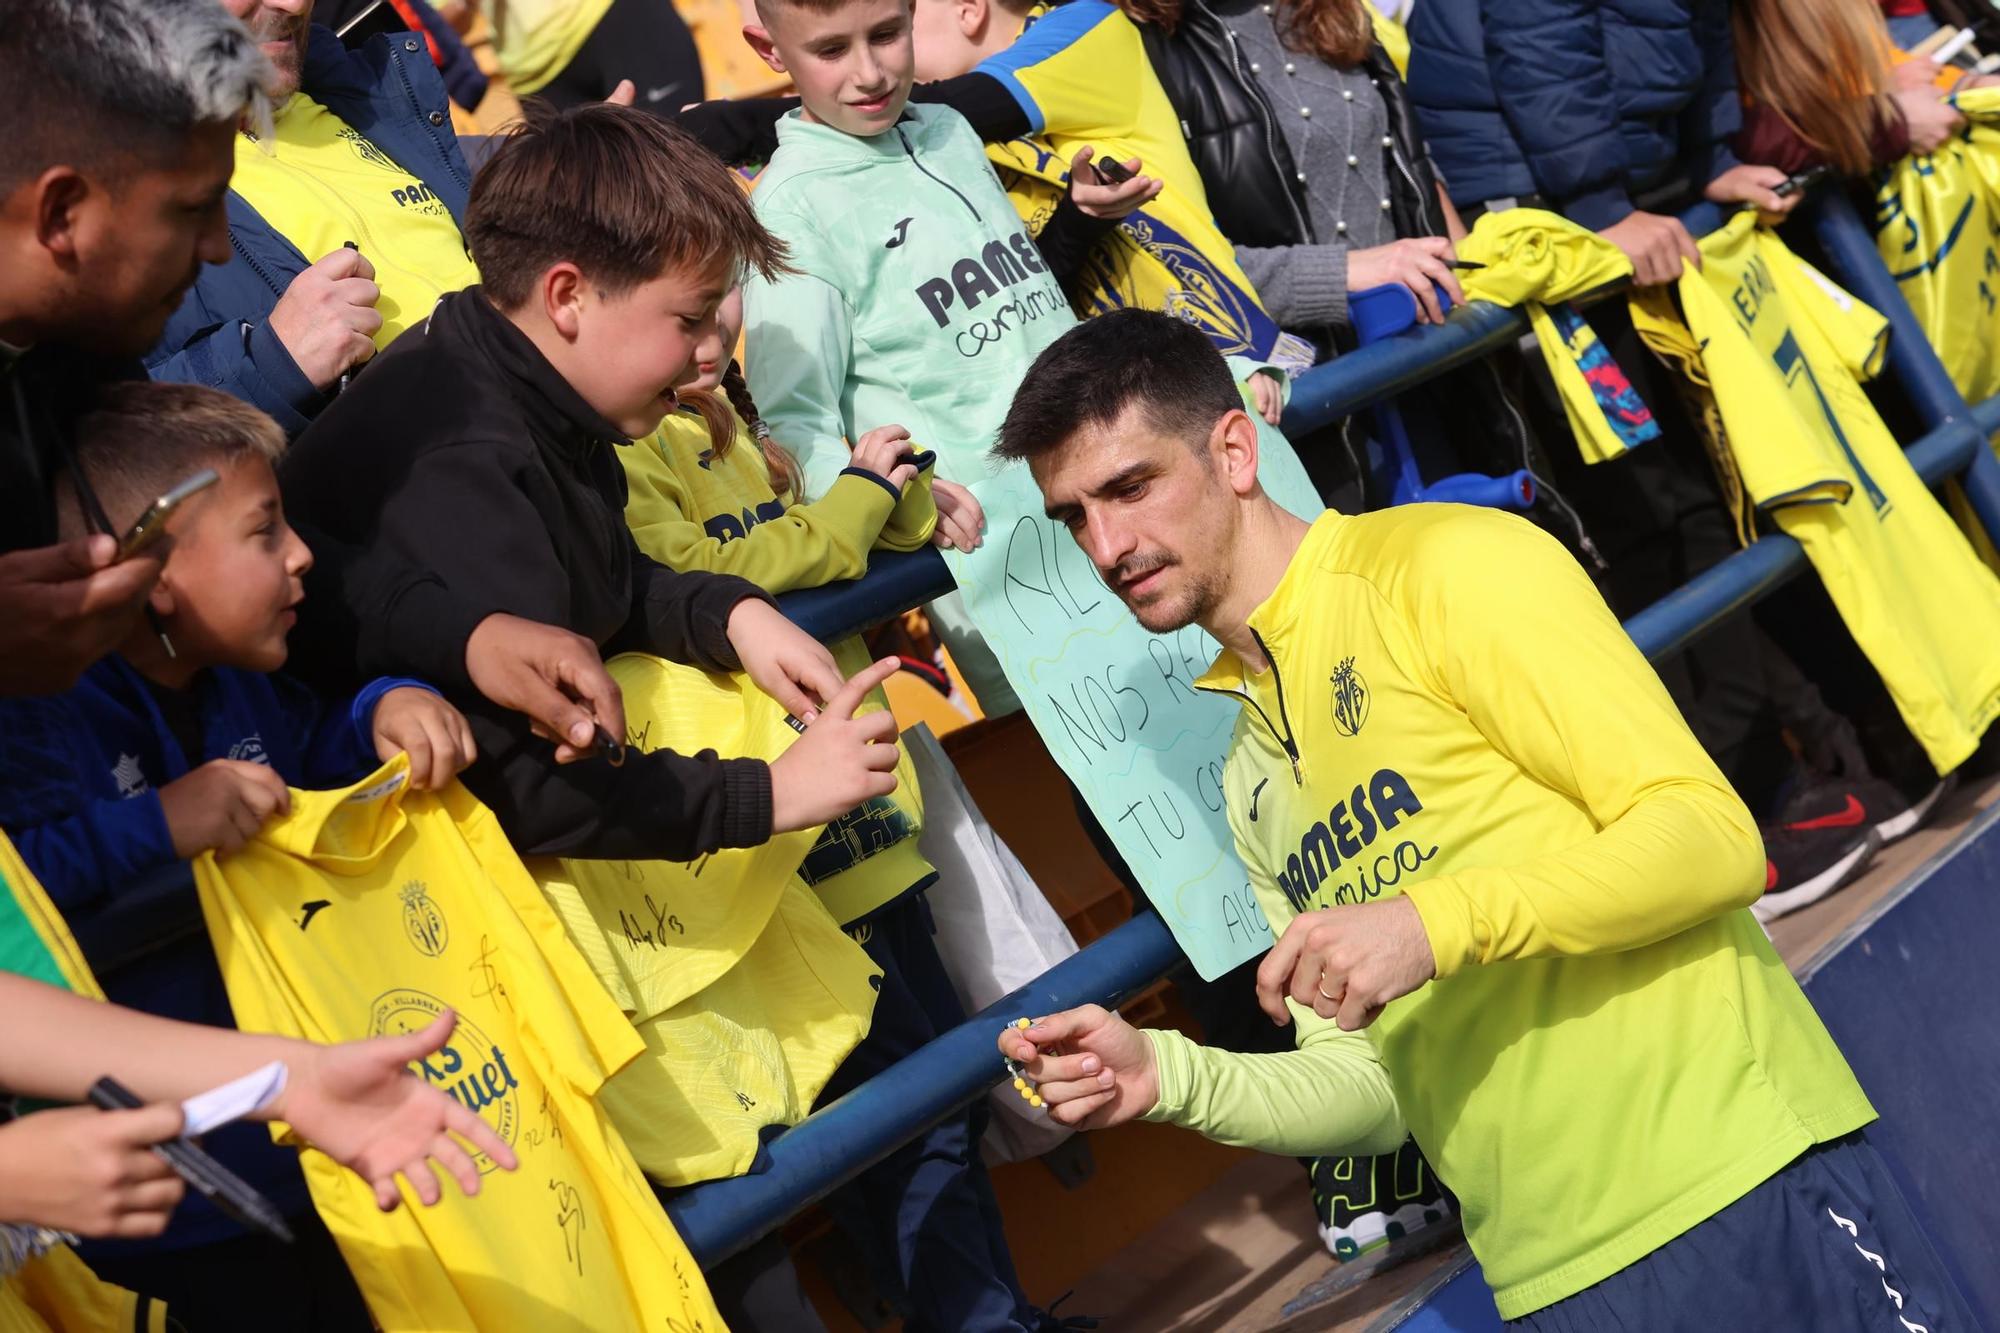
{"x":1019,"y":1072}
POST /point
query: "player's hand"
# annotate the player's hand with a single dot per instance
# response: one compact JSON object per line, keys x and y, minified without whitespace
{"x":787,"y":663}
{"x":327,"y":318}
{"x":550,"y":674}
{"x":885,"y":451}
{"x":63,"y":607}
{"x":1655,"y":244}
{"x":221,"y":805}
{"x":960,"y":518}
{"x":1421,"y":263}
{"x":360,"y":1104}
{"x":1268,"y":394}
{"x":1362,"y":957}
{"x":1747,"y":183}
{"x":840,"y":760}
{"x":1091,"y":1067}
{"x":1932,"y":121}
{"x":89,"y":1171}
{"x":1099,"y":197}
{"x":625,"y":94}
{"x":422,"y":725}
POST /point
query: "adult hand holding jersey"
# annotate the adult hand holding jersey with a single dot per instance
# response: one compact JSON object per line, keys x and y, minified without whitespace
{"x":1419,"y":263}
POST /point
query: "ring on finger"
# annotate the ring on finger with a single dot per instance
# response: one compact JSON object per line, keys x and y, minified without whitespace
{"x":1320,"y":986}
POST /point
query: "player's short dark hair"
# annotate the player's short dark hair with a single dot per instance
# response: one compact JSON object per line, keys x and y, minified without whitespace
{"x":621,"y":194}
{"x":1091,"y":375}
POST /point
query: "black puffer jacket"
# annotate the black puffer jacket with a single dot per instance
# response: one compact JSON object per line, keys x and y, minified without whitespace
{"x":1253,"y":185}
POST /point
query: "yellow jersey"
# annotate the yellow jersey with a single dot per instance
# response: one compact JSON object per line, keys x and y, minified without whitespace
{"x":1784,"y":352}
{"x":372,"y":910}
{"x":321,"y":183}
{"x":1451,"y":713}
{"x":746,"y":991}
{"x":57,"y":1293}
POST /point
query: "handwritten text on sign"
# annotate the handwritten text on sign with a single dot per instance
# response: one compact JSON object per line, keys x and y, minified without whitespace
{"x":1117,"y":707}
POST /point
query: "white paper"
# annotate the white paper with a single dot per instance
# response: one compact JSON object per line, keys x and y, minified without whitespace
{"x":235,"y":1099}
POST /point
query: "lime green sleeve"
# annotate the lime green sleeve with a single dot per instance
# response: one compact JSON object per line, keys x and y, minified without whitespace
{"x":915,"y":518}
{"x":1511,"y":627}
{"x":1329,"y":1098}
{"x":808,"y":545}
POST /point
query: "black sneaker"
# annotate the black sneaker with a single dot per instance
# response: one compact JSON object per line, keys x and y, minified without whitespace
{"x":1890,"y":815}
{"x":1366,"y":1202}
{"x":1804,"y":864}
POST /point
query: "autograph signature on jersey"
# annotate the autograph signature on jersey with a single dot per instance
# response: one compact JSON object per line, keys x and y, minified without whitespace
{"x":570,"y":1220}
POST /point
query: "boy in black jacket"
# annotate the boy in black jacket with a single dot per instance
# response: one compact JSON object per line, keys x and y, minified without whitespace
{"x":478,"y":448}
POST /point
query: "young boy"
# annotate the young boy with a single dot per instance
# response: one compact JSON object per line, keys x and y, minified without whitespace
{"x":920,"y":297}
{"x":480,"y":447}
{"x":183,"y":742}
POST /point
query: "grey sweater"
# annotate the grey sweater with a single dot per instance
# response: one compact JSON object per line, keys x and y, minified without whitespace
{"x":1333,"y":122}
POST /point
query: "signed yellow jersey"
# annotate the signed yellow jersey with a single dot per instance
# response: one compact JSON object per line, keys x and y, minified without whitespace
{"x":745,"y":989}
{"x":321,"y":183}
{"x":1784,"y":352}
{"x":372,"y":910}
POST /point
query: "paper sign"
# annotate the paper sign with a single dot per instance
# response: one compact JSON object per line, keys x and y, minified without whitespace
{"x":1116,"y":706}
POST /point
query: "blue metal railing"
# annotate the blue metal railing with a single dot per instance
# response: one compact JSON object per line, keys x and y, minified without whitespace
{"x":813,"y":1158}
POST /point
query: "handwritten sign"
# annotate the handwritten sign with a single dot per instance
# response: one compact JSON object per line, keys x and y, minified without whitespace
{"x":1117,"y":707}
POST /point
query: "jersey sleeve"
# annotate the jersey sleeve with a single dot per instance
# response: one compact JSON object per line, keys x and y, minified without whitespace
{"x":1856,"y":331}
{"x":1526,"y":646}
{"x":798,"y":347}
{"x":1062,"y":71}
{"x":1331,"y":1097}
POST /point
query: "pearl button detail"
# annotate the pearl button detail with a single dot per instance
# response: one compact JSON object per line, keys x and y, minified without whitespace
{"x":1290,"y":68}
{"x":1256,"y":68}
{"x":1302,"y":177}
{"x":1388,"y":142}
{"x":1306,"y":113}
{"x":1353,"y":161}
{"x":1385,"y":205}
{"x":1347,"y":94}
{"x":1340,"y":227}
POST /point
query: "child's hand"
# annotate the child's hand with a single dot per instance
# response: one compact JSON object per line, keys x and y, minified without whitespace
{"x":786,"y":663}
{"x":1099,"y":197}
{"x":960,"y":519}
{"x":1269,"y":395}
{"x":885,"y":451}
{"x":839,"y":761}
{"x":422,"y":725}
{"x":221,"y":805}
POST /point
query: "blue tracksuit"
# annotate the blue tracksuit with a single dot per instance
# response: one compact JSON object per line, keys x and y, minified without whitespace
{"x":80,"y":774}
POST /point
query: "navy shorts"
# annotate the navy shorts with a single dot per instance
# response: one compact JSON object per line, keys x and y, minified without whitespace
{"x":1828,"y":1244}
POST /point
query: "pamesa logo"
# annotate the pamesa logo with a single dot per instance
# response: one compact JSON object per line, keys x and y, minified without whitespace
{"x":1350,"y":699}
{"x":470,"y":1068}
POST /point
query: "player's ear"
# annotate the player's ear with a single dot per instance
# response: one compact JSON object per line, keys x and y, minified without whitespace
{"x":1233,"y":450}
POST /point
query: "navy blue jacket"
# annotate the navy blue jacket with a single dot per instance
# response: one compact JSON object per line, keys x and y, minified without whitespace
{"x":1584,"y":102}
{"x":80,"y":774}
{"x":390,"y":92}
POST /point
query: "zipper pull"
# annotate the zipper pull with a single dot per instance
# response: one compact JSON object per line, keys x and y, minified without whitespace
{"x":1298,"y":774}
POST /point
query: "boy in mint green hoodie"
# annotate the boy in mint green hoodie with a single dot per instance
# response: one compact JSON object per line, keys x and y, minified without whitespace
{"x":920,"y":299}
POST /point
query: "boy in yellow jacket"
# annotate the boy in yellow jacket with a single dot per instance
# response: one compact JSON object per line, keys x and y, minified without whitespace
{"x":1495,"y":857}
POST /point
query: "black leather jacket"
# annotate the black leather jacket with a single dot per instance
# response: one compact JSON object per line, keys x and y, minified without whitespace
{"x":1253,"y":185}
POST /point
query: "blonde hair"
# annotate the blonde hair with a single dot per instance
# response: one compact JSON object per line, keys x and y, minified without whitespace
{"x":787,"y":479}
{"x":1823,"y":67}
{"x":141,"y":438}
